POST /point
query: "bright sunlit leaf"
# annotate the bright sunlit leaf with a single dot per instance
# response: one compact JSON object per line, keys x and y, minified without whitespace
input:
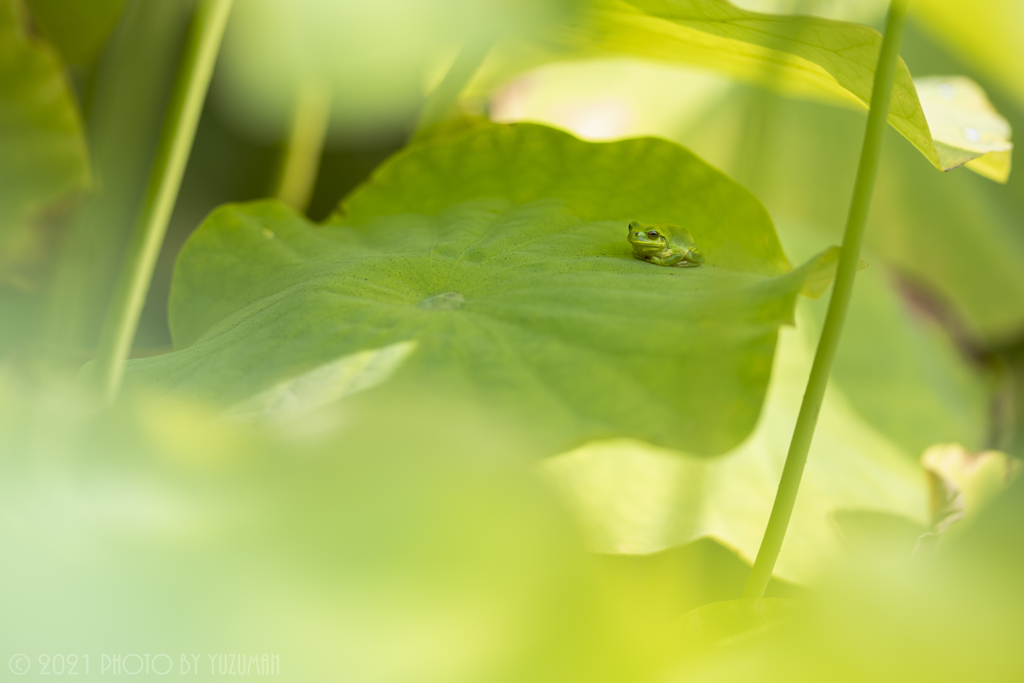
{"x":964,"y":124}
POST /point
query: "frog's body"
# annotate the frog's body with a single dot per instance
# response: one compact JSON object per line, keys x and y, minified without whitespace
{"x":664,"y":244}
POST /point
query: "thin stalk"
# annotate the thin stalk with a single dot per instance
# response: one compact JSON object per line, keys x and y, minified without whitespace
{"x":301,"y":162}
{"x":849,"y":259}
{"x":191,"y":83}
{"x":443,"y":98}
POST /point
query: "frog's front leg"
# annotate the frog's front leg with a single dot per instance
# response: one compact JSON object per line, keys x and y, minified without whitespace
{"x":670,"y":260}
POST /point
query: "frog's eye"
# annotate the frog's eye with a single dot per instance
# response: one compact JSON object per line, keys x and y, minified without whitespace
{"x":653,"y":234}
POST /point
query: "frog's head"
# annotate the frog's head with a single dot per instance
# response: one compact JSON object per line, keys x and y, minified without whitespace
{"x":646,"y":238}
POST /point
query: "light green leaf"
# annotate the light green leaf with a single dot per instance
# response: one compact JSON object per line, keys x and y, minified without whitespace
{"x":44,"y":156}
{"x":964,"y":125}
{"x":634,"y":498}
{"x":796,"y":54}
{"x":502,"y":254}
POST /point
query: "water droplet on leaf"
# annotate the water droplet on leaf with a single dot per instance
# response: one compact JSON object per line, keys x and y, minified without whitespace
{"x":446,"y":301}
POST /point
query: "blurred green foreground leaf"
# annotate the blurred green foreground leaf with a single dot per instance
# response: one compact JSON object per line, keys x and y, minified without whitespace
{"x":377,"y":551}
{"x":949,"y":616}
{"x":501,"y":256}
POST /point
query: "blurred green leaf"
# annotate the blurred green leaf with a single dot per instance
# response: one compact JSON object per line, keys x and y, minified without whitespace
{"x":372,"y":552}
{"x":502,"y":255}
{"x":660,"y":588}
{"x":795,"y":54}
{"x":959,"y":238}
{"x":721,"y":623}
{"x":44,"y":154}
{"x":963,"y":483}
{"x":79,"y":28}
{"x":951,"y":616}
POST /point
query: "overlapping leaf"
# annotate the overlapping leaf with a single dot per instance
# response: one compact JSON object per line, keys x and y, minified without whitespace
{"x":501,"y":256}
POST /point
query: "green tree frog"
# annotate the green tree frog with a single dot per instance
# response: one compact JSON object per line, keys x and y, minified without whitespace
{"x":664,"y":244}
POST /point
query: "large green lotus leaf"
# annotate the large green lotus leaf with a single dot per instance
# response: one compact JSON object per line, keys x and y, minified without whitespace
{"x":44,"y":155}
{"x":501,"y":256}
{"x":796,"y":54}
{"x":634,"y":498}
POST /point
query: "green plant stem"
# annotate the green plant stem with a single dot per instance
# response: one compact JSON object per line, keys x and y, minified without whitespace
{"x":301,"y":161}
{"x":849,"y":259}
{"x":443,"y":97}
{"x":191,"y":83}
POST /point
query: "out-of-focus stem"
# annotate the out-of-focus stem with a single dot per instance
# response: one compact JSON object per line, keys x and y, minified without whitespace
{"x":849,"y":259}
{"x":124,"y":114}
{"x":301,"y":163}
{"x":190,"y":86}
{"x":444,"y":97}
